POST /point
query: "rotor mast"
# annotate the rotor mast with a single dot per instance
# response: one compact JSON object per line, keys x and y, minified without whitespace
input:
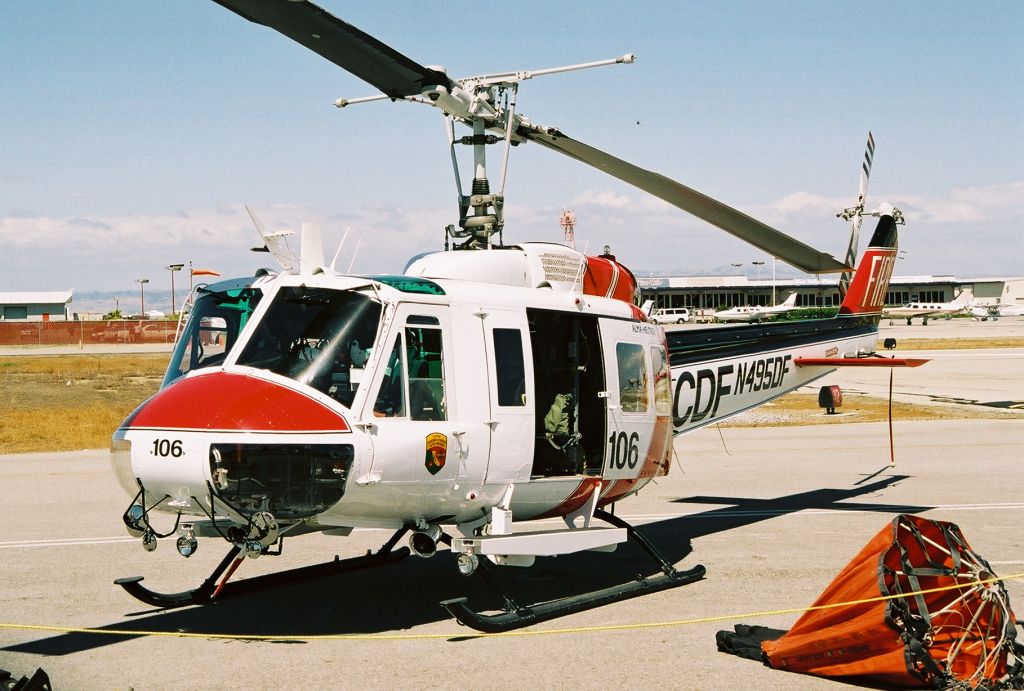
{"x":490,"y":99}
{"x":487,"y":104}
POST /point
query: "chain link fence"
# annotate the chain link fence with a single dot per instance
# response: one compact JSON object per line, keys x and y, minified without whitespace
{"x":115,"y":331}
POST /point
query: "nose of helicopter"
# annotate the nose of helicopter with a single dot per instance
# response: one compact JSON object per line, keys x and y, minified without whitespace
{"x":233,"y":431}
{"x":234,"y":401}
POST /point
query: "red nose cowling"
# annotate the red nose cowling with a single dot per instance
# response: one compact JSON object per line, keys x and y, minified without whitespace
{"x":235,"y":402}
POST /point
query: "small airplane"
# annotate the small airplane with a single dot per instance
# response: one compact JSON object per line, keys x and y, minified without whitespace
{"x":755,"y":314}
{"x":984,"y":312}
{"x":927,"y":310}
{"x":488,"y":386}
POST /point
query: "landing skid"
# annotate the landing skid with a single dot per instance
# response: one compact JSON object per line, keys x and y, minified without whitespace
{"x":517,"y":616}
{"x":210,"y":589}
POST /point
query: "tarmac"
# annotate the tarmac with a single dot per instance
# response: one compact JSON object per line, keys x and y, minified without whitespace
{"x":773,"y":513}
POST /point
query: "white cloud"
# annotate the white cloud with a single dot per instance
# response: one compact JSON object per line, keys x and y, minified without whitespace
{"x":1007,"y":195}
{"x":997,"y":204}
{"x":601,"y":199}
{"x":803,"y":202}
{"x":109,"y":253}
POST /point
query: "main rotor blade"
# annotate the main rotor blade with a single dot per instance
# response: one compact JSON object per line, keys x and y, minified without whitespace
{"x":341,"y":43}
{"x":737,"y":223}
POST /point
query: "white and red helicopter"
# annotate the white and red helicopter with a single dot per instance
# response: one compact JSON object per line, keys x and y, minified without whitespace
{"x":490,"y":385}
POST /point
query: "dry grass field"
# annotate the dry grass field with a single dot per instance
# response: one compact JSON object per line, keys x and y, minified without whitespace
{"x":955,"y":343}
{"x":802,"y":409}
{"x":68,"y":402}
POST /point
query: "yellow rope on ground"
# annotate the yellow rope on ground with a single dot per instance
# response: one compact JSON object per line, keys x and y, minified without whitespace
{"x":541,"y":632}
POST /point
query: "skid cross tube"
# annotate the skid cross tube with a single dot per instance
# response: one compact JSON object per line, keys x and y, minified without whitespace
{"x":640,"y":539}
{"x":203,"y":594}
{"x":517,"y":616}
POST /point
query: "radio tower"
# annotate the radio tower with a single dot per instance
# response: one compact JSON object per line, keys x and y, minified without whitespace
{"x":568,"y":223}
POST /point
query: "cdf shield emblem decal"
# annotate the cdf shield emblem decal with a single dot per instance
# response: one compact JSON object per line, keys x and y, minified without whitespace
{"x":437,"y":450}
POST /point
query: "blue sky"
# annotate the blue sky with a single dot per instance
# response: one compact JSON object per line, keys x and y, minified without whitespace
{"x":131,"y":133}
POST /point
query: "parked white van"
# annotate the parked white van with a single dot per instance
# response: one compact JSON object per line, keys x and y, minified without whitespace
{"x":673,"y":315}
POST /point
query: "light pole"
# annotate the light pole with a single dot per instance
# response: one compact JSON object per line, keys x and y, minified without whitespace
{"x":173,"y":268}
{"x":142,"y":296}
{"x":773,"y":280}
{"x":758,"y":265}
{"x":737,"y":265}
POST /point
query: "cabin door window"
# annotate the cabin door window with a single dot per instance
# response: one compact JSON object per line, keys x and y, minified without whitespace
{"x":632,"y":377}
{"x":510,"y":372}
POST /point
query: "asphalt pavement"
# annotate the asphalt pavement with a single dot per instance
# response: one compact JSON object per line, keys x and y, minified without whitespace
{"x":773,"y":513}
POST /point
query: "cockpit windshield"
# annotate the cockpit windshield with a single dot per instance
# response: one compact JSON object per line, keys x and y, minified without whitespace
{"x":317,"y":336}
{"x":218,"y":314}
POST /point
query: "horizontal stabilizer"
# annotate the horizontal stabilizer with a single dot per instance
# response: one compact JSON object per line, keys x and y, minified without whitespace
{"x":858,"y":362}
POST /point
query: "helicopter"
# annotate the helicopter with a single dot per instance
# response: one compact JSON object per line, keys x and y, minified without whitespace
{"x":487,"y":386}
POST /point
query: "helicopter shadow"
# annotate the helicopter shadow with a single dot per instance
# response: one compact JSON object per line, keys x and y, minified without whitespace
{"x":400,"y":596}
{"x":738,"y":512}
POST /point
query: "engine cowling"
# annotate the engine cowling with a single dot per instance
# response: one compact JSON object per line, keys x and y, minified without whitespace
{"x":606,"y":277}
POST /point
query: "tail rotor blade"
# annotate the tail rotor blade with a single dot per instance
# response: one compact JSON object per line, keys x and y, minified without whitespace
{"x":865,"y":169}
{"x":856,"y":214}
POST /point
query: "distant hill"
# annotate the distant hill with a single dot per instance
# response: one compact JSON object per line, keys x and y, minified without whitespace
{"x":127,"y":301}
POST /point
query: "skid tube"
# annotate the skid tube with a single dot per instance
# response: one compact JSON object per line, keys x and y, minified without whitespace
{"x":205,"y":592}
{"x":517,"y":616}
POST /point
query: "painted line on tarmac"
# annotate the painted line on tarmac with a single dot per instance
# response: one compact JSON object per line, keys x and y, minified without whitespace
{"x":959,"y":586}
{"x":975,"y":356}
{"x":711,"y":513}
{"x":66,"y":542}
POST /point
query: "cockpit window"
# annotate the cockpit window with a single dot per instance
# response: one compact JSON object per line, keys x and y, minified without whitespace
{"x":317,"y":336}
{"x":391,"y":397}
{"x":212,"y":328}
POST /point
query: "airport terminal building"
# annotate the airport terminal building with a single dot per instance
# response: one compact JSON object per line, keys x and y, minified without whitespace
{"x":693,"y":292}
{"x":722,"y":292}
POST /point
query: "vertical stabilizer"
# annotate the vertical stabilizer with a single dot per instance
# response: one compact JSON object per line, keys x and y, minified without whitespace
{"x":870,"y":283}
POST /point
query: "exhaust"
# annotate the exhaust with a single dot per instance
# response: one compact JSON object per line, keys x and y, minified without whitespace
{"x":423,"y":543}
